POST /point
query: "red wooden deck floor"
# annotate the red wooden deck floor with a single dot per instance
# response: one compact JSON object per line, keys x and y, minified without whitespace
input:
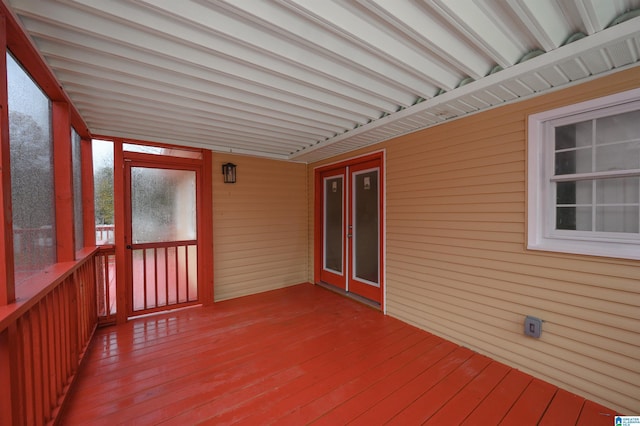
{"x":303,"y":355}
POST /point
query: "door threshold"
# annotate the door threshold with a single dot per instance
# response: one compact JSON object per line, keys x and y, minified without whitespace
{"x":169,"y":310}
{"x":353,"y":296}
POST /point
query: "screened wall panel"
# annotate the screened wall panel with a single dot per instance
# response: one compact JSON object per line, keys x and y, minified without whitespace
{"x":32,"y":190}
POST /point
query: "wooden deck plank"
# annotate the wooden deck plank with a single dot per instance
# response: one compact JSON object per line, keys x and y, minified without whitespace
{"x":302,"y":355}
{"x":531,"y":405}
{"x":432,"y":400}
{"x":338,"y":388}
{"x":494,"y":407}
{"x":248,"y":411}
{"x":259,"y":353}
{"x":409,"y":392}
{"x":462,"y":404}
{"x":372,"y":395}
{"x":190,"y":367}
{"x":563,"y":410}
{"x":270,"y":388}
{"x":594,"y":414}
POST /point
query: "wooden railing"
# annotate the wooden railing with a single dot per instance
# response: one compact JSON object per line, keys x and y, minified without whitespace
{"x":164,"y":274}
{"x":106,"y":283}
{"x":105,"y":234}
{"x":43,"y":336}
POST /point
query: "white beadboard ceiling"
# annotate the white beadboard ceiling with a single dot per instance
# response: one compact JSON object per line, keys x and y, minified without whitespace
{"x":304,"y":80}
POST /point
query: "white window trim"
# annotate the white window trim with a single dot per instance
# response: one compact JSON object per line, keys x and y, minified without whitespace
{"x":539,"y":226}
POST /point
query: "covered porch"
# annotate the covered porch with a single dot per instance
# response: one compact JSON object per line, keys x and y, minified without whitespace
{"x":451,"y":116}
{"x":303,"y":355}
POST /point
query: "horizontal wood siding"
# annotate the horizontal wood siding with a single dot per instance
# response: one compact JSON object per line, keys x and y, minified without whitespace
{"x":457,"y":263}
{"x":259,"y":226}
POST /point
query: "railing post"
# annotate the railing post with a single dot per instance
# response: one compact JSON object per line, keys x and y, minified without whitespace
{"x":205,"y":238}
{"x":63,"y":171}
{"x":7,"y":282}
{"x":122,"y":308}
{"x":7,"y":411}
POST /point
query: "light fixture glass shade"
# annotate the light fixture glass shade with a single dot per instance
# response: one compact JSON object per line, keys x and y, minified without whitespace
{"x":229,"y":172}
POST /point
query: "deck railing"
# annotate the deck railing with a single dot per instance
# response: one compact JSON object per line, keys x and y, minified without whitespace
{"x":105,"y":234}
{"x":106,"y":283}
{"x":43,"y":336}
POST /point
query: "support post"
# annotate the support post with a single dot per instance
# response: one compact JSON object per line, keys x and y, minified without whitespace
{"x":120,"y":223}
{"x":7,"y":409}
{"x":206,"y":237}
{"x":63,"y":178}
{"x":7,"y":278}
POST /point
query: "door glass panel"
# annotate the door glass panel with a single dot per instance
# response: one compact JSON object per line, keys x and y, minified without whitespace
{"x":163,"y":205}
{"x":333,"y":224}
{"x":366,"y":225}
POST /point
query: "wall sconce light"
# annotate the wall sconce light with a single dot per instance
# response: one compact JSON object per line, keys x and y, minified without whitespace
{"x":229,"y":172}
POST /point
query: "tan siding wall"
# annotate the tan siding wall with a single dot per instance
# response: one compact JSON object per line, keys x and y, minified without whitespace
{"x":457,"y":263}
{"x":259,"y":225}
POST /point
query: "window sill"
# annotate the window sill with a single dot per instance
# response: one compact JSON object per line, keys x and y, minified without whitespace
{"x":589,"y":248}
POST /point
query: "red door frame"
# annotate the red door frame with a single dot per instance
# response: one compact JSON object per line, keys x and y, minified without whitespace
{"x":371,"y":160}
{"x":134,"y":159}
{"x":204,"y":219}
{"x":355,"y":285}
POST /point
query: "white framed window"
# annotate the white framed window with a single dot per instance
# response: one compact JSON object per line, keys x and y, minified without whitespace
{"x":584,"y":178}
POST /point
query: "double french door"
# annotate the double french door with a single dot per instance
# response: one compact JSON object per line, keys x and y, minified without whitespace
{"x":350,"y":250}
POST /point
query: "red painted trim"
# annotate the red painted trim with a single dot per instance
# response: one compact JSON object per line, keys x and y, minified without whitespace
{"x":317,"y":228}
{"x":63,"y":181}
{"x":160,"y":161}
{"x":8,"y":377}
{"x":351,"y":161}
{"x":119,"y":215}
{"x":205,"y":258}
{"x":7,"y":281}
{"x":88,"y":206}
{"x":167,"y":163}
{"x":122,"y":200}
{"x":147,"y":143}
{"x":368,"y":291}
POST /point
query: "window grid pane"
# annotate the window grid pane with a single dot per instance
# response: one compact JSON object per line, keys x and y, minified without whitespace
{"x":600,"y":205}
{"x":610,"y":143}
